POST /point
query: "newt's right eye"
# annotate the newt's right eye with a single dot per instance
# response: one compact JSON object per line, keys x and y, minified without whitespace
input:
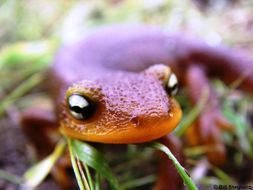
{"x":172,"y":84}
{"x":80,"y":107}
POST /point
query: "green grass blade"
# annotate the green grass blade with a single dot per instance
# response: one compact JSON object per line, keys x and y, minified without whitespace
{"x":10,"y":177}
{"x":82,"y":185}
{"x":75,"y":167}
{"x":98,"y":182}
{"x":89,"y":176}
{"x":35,"y":175}
{"x":20,"y":90}
{"x":223,"y":176}
{"x":186,"y":178}
{"x":94,"y":159}
{"x":140,"y":182}
{"x":84,"y":176}
{"x":27,"y":52}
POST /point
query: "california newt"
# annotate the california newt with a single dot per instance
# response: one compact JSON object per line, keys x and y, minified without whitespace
{"x":117,"y":86}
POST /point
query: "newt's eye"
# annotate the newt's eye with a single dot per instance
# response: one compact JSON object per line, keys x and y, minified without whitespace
{"x":172,"y":85}
{"x":80,"y":107}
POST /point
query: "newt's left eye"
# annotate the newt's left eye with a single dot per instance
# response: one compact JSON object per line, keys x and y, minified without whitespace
{"x":172,"y":84}
{"x":80,"y":107}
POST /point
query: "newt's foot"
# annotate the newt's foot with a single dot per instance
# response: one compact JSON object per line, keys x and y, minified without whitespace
{"x":207,"y":131}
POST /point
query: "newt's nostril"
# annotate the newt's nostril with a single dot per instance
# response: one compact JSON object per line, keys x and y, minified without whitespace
{"x":136,"y":121}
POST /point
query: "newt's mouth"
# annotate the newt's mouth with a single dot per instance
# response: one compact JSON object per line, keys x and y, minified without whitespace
{"x":131,"y":133}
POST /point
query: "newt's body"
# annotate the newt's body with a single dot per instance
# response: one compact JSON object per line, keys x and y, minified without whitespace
{"x":132,"y":104}
{"x":112,"y":88}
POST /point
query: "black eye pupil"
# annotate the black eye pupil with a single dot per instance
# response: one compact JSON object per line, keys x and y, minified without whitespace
{"x":173,"y":88}
{"x":77,"y":109}
{"x":80,"y":107}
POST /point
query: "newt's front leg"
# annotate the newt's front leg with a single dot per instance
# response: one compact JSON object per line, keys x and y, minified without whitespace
{"x":41,"y":129}
{"x":37,"y":125}
{"x":210,"y":120}
{"x":168,"y":177}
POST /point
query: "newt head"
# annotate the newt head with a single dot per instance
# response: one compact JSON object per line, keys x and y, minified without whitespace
{"x":125,"y":107}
